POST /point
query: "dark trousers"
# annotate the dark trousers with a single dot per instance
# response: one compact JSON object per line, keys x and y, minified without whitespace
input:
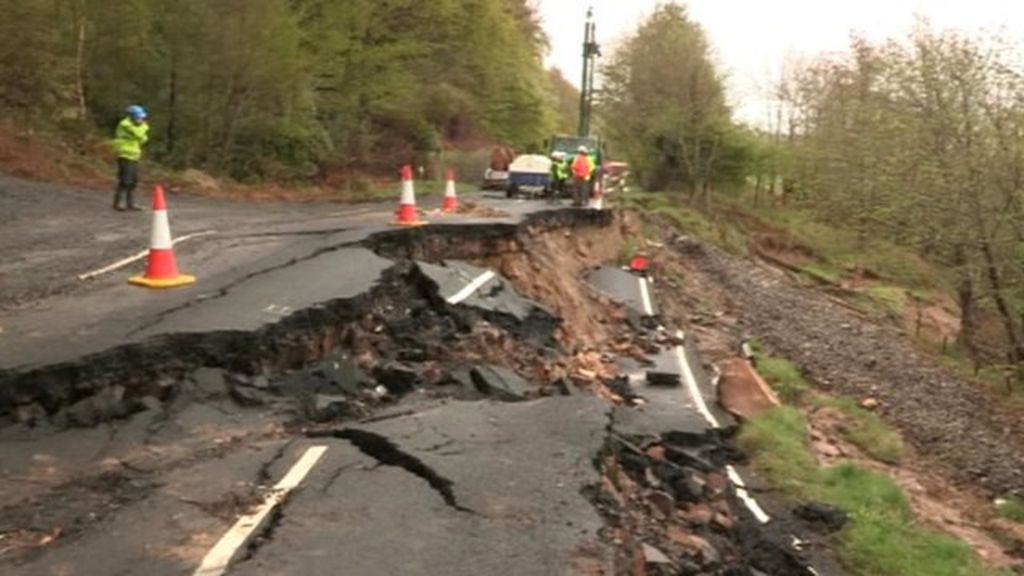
{"x":556,"y":188}
{"x":581,"y":193}
{"x":127,"y":179}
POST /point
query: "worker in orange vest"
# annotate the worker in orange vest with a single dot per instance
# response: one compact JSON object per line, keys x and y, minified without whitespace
{"x":582,"y":173}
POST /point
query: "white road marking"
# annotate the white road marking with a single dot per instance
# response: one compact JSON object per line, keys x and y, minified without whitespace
{"x":702,"y":407}
{"x":744,"y":496}
{"x":217,"y":560}
{"x":691,"y":385}
{"x":278,"y":310}
{"x":645,"y":297}
{"x":472,"y":287}
{"x":139,"y":256}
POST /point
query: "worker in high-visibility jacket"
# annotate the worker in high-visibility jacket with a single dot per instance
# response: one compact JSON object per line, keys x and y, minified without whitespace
{"x":131,"y":135}
{"x":582,"y":174}
{"x":559,"y":174}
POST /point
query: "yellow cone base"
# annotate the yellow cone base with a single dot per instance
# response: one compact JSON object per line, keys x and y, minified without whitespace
{"x":410,"y":224}
{"x":180,"y":280}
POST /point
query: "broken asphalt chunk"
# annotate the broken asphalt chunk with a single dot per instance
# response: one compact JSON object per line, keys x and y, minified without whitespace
{"x":500,"y":382}
{"x":107,"y":404}
{"x":210,"y":382}
{"x":658,"y":378}
{"x":324,"y":408}
{"x":821,"y":515}
{"x":246,"y":396}
{"x":397,"y":377}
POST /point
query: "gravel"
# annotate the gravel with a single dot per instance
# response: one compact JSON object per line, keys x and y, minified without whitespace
{"x":949,"y":421}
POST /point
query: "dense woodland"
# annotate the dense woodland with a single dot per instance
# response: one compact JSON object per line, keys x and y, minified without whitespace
{"x":272,"y":89}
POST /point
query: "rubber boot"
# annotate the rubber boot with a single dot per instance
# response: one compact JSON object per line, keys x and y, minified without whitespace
{"x":131,"y":201}
{"x":117,"y":200}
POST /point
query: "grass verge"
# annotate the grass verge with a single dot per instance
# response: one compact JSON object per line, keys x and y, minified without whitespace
{"x":783,"y":376}
{"x":866,"y":430}
{"x":713,"y":227}
{"x":1011,"y":508}
{"x":863,"y":429}
{"x":881,"y":536}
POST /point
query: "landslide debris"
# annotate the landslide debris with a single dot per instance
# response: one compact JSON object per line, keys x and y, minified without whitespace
{"x":671,"y":511}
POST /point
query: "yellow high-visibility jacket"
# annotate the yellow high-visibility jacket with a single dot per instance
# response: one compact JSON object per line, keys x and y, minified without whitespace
{"x":129,"y":139}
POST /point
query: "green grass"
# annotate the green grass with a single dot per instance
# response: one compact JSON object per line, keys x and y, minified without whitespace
{"x":866,"y":430}
{"x":783,"y":376}
{"x":881,"y":537}
{"x":823,"y":271}
{"x":1011,"y":508}
{"x":892,"y":298}
{"x":673,"y":205}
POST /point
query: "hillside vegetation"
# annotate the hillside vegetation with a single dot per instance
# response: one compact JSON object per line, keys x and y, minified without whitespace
{"x":279,"y":89}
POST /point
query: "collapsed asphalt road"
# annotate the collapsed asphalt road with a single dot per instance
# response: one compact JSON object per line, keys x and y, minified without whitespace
{"x":363,"y":400}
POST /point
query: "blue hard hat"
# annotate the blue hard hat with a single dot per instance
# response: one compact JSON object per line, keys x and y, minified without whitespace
{"x":137,"y":112}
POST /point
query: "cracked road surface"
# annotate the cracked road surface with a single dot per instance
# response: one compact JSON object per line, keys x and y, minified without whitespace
{"x":247,"y":271}
{"x":313,"y":406}
{"x":496,"y":489}
{"x":458,"y":488}
{"x":454,"y":487}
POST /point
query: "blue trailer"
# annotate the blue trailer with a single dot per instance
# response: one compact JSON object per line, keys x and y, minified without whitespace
{"x":529,"y":174}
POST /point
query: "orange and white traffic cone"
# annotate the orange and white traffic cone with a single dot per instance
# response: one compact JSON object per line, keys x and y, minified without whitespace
{"x":451,"y":202}
{"x":161,"y":267}
{"x":407,"y":214}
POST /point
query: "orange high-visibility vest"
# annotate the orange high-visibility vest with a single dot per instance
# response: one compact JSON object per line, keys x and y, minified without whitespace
{"x":581,"y":167}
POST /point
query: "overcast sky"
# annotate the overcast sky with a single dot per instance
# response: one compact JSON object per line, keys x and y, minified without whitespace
{"x":752,"y":38}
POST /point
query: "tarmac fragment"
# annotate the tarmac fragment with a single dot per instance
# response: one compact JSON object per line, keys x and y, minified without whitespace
{"x":326,"y":408}
{"x":822,"y":516}
{"x":682,"y":473}
{"x":210,"y":382}
{"x":397,"y":377}
{"x":658,"y":378}
{"x":108,"y":404}
{"x":500,"y":382}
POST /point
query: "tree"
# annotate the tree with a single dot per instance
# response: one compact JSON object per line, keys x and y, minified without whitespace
{"x":665,"y":103}
{"x":267,"y":89}
{"x":35,"y":78}
{"x":919,"y":142}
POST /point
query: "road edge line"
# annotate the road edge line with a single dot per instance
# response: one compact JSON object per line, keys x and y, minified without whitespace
{"x":702,"y":407}
{"x":645,"y":297}
{"x":139,"y":256}
{"x":218,"y":559}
